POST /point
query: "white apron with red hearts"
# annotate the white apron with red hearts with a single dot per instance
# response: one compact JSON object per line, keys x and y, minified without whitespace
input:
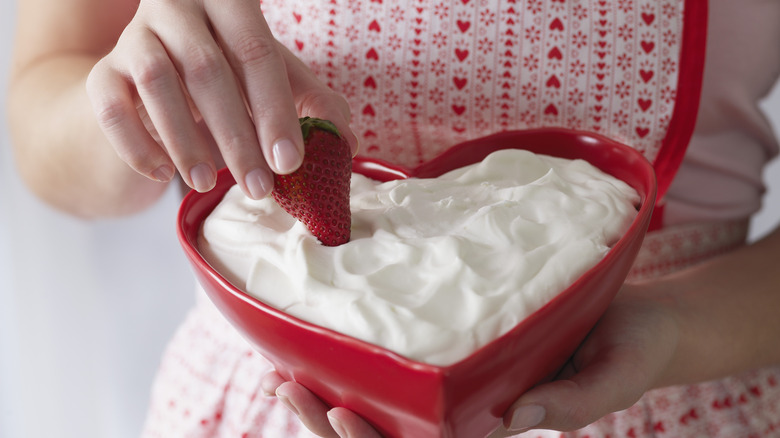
{"x":422,"y":75}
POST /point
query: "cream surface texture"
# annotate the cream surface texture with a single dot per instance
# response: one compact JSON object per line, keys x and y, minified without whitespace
{"x":435,"y":268}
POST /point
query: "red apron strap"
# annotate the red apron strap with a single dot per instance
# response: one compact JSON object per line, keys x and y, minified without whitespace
{"x":689,"y":85}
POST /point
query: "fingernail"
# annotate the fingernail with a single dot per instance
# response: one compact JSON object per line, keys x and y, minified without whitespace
{"x":286,"y":156}
{"x":286,"y":401}
{"x":357,"y":147}
{"x":526,"y":417}
{"x":163,"y":173}
{"x":203,"y":178}
{"x":338,"y":426}
{"x":259,"y":183}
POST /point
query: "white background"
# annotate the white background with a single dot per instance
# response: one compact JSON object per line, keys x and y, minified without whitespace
{"x":86,"y":308}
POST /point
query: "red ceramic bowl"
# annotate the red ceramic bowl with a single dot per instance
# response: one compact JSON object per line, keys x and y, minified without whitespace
{"x":404,"y":398}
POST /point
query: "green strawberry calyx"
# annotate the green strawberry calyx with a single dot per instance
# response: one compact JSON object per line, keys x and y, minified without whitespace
{"x":308,"y":123}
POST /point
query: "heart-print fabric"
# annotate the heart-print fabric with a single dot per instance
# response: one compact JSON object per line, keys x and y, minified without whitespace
{"x":421,"y":76}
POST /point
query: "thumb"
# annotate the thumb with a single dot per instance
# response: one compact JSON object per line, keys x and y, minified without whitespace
{"x":578,"y":399}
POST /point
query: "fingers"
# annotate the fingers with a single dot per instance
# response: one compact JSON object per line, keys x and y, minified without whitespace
{"x":212,"y":84}
{"x":271,"y":382}
{"x":310,"y":410}
{"x":216,"y":63}
{"x":313,"y":413}
{"x":572,"y":404}
{"x":315,"y":99}
{"x":254,"y":55}
{"x":348,"y":424}
{"x":157,"y":82}
{"x":142,"y":62}
{"x":113,"y":103}
{"x":621,"y":359}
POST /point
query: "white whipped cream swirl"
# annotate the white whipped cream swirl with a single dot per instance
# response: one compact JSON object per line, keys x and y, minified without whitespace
{"x":435,"y":268}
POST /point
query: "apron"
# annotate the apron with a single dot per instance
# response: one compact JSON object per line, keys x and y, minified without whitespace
{"x":421,"y":75}
{"x":208,"y":384}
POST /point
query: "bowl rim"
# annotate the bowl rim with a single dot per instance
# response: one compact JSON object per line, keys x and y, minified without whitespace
{"x":188,"y":232}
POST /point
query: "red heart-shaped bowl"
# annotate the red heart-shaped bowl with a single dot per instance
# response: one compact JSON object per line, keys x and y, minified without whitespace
{"x":404,"y":398}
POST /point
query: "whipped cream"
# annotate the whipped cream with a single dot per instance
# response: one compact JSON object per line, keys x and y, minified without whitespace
{"x":436,"y":268}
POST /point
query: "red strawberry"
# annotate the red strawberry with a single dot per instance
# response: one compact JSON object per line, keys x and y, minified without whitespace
{"x":317,"y":194}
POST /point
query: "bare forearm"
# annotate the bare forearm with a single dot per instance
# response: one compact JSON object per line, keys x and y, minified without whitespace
{"x":60,"y":151}
{"x":729,"y":314}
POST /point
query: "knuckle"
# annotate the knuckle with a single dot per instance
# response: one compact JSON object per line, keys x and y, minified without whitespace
{"x":110,"y":112}
{"x":321,"y":101}
{"x":249,"y":48}
{"x":203,"y":65}
{"x":98,"y":72}
{"x":135,"y":158}
{"x":577,"y":417}
{"x":151,"y":71}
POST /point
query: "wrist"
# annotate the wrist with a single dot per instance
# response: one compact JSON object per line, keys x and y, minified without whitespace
{"x":726,"y":313}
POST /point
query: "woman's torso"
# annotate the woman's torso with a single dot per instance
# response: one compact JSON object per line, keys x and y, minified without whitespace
{"x":421,"y":76}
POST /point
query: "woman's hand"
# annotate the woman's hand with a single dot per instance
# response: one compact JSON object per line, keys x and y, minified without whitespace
{"x":313,"y":413}
{"x":178,"y":64}
{"x":626,"y":354}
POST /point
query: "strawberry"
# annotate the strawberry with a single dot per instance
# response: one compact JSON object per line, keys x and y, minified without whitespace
{"x":317,"y":193}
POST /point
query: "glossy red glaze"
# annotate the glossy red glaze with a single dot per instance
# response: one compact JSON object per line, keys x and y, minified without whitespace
{"x":404,"y":398}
